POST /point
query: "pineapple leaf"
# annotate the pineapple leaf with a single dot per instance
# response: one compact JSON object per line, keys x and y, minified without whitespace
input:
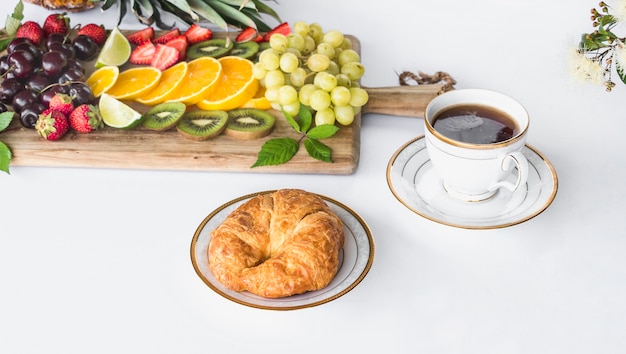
{"x":265,"y":9}
{"x":232,"y":13}
{"x":184,"y":6}
{"x":144,"y":9}
{"x":238,"y":3}
{"x":209,"y":13}
{"x":157,"y":16}
{"x":254,"y":16}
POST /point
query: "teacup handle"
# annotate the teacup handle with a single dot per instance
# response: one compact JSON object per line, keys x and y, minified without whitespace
{"x":510,"y":160}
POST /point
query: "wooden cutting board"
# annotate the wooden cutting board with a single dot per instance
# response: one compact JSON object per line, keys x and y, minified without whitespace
{"x":144,"y":149}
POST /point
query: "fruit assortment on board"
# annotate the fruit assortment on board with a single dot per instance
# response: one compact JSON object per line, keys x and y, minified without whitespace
{"x":187,"y":80}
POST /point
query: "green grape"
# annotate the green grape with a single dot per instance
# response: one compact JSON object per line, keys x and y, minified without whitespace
{"x":333,"y":68}
{"x":274,"y":79}
{"x":344,"y":114}
{"x":269,"y":59}
{"x":325,"y":81}
{"x":347,"y":44}
{"x":296,"y":41}
{"x":279,"y":42}
{"x":258,"y":71}
{"x":309,"y":45}
{"x":354,"y":70}
{"x":325,"y":116}
{"x":271,"y":94}
{"x":318,"y":62}
{"x":292,"y":108}
{"x":326,"y":49}
{"x":301,"y":28}
{"x":319,"y":100}
{"x":348,"y":56}
{"x":287,"y":94}
{"x":358,"y":96}
{"x":298,"y":77}
{"x":288,"y":62}
{"x":305,"y":94}
{"x":334,"y":38}
{"x":340,"y":96}
{"x":294,"y":51}
{"x":316,"y":31}
{"x":343,"y":80}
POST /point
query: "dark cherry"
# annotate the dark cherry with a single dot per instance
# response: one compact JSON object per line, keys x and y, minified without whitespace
{"x":53,"y":63}
{"x":71,"y":75}
{"x":47,"y":95}
{"x":4,"y":64}
{"x":86,"y":48}
{"x":21,"y":64}
{"x":23,"y":98}
{"x":8,"y":88}
{"x":76,"y":65}
{"x":3,"y":108}
{"x":30,"y":114}
{"x":54,"y":38}
{"x":17,"y":41}
{"x":31,"y":48}
{"x":80,"y":93}
{"x":38,"y":81}
{"x":65,"y":48}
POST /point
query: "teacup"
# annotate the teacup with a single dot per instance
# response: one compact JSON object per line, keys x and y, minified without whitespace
{"x":475,"y":139}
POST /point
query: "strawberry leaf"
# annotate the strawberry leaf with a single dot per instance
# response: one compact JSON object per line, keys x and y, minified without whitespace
{"x":5,"y":157}
{"x":294,"y":124}
{"x":276,"y":151}
{"x":5,"y":119}
{"x":306,"y":118}
{"x":14,"y":20}
{"x":323,"y":131}
{"x":318,"y":150}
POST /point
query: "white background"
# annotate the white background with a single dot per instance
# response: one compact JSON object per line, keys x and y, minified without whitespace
{"x":97,"y":260}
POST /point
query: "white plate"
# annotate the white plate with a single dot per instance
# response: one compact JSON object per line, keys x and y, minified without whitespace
{"x":356,"y":259}
{"x":415,"y":184}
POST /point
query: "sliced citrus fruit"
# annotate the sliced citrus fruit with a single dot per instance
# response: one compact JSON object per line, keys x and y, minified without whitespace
{"x":118,"y":114}
{"x":202,"y":75}
{"x":236,"y":85}
{"x":102,"y":79}
{"x":134,"y":82}
{"x":171,"y":79}
{"x":258,"y":101}
{"x":115,"y":50}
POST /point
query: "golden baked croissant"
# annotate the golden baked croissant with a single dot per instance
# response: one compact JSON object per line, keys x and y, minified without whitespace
{"x":277,"y":244}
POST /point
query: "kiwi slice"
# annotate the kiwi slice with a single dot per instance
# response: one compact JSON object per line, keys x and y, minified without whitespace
{"x":245,"y":50}
{"x":163,"y":116}
{"x":216,"y":48}
{"x":249,"y":123}
{"x":202,"y":124}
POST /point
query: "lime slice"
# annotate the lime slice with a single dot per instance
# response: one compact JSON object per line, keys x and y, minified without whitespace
{"x":115,"y":50}
{"x":118,"y":114}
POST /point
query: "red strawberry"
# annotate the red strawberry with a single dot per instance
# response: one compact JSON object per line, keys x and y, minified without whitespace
{"x":56,"y":23}
{"x":249,"y":34}
{"x":86,"y":118}
{"x":180,"y":43}
{"x":52,"y":125}
{"x":142,"y":54}
{"x":30,"y":30}
{"x":96,"y":32}
{"x":62,"y":103}
{"x":167,"y":36}
{"x":164,"y":57}
{"x":141,"y":36}
{"x":282,"y":28}
{"x":196,"y":33}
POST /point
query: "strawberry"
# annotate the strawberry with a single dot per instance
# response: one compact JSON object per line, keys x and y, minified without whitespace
{"x":164,"y":57}
{"x":56,"y":23}
{"x":282,"y":28}
{"x":167,"y":36}
{"x":249,"y":34}
{"x":196,"y":34}
{"x":86,"y":118}
{"x":96,"y":32}
{"x":52,"y":125}
{"x":30,"y":30}
{"x":142,"y":54}
{"x":141,"y":36}
{"x":181,"y":44}
{"x":62,"y":103}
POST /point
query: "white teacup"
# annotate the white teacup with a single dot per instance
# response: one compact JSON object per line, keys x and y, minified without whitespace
{"x":471,"y":167}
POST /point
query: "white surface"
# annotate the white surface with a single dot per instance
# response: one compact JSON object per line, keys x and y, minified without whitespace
{"x":98,"y":261}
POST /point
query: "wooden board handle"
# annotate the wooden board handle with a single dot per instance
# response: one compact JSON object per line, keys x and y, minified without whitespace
{"x":408,"y":101}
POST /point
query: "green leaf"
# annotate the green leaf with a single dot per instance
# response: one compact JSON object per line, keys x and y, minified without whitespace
{"x":5,"y":157}
{"x":206,"y":11}
{"x":620,"y":72}
{"x":231,"y":12}
{"x":294,"y":124}
{"x":317,"y":150}
{"x":5,"y":119}
{"x":276,"y":151}
{"x":4,"y":43}
{"x":323,"y":131}
{"x":265,"y":9}
{"x":184,"y":6}
{"x":14,"y":20}
{"x":306,"y":118}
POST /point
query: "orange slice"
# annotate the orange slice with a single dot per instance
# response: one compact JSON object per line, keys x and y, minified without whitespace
{"x":258,"y":101}
{"x":236,"y":85}
{"x":171,"y":79}
{"x":202,"y":76}
{"x":102,"y":79}
{"x":134,"y":82}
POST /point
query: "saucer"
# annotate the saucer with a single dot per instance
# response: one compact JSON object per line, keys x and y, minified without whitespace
{"x":414,"y":182}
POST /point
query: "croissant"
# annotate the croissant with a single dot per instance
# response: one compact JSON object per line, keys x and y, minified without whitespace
{"x":277,"y":244}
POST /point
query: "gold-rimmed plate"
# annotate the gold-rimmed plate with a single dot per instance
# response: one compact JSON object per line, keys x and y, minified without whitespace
{"x":356,"y":259}
{"x":414,"y":182}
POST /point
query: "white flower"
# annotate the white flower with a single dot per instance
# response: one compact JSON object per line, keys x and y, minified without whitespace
{"x":618,"y":9}
{"x":620,"y":54}
{"x":586,"y":69}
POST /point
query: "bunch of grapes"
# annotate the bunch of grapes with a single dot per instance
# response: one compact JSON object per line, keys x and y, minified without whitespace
{"x":313,"y":68}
